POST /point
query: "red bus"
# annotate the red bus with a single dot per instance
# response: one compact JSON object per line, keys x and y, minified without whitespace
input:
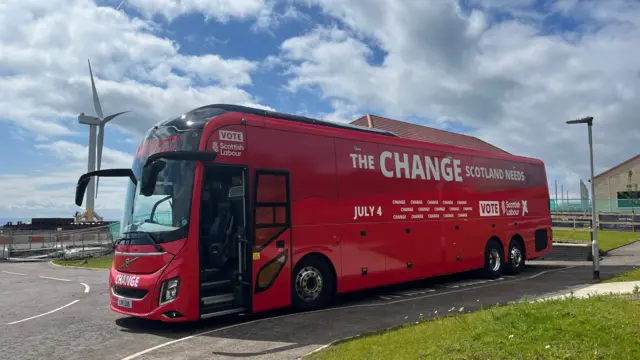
{"x":233,"y":209}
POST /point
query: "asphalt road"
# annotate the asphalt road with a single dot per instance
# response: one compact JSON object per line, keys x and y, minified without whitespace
{"x":83,"y":327}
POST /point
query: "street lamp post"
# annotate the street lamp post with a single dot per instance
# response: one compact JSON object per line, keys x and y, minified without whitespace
{"x":594,"y":228}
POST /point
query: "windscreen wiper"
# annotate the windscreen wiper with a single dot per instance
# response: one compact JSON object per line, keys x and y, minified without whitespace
{"x":151,"y":239}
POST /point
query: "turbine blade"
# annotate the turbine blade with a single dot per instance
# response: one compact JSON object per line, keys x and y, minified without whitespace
{"x":121,"y":3}
{"x":99,"y":157}
{"x":96,"y":100}
{"x":101,"y":142}
{"x":111,"y":117}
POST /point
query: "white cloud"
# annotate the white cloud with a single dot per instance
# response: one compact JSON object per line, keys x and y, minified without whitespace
{"x":221,"y":10}
{"x":78,"y":154}
{"x":213,"y":68}
{"x":330,"y":59}
{"x":49,"y":190}
{"x":265,"y":14}
{"x":516,"y":81}
{"x":342,"y":112}
{"x":44,"y":85}
{"x":45,"y":46}
{"x":271,"y":16}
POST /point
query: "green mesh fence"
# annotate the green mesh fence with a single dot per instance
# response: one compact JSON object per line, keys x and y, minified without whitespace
{"x":602,"y":205}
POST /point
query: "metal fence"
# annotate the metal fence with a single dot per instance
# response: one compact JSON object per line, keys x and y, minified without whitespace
{"x":78,"y":243}
{"x":616,"y":206}
{"x":577,"y":220}
{"x":35,"y":245}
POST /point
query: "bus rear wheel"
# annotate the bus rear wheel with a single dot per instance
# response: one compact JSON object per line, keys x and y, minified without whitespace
{"x":493,"y":264}
{"x":312,"y":285}
{"x":515,"y":260}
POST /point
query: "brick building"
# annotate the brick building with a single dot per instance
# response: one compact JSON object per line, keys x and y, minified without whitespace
{"x":425,"y":133}
{"x":620,"y":185}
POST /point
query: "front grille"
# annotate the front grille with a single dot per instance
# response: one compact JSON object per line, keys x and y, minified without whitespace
{"x":129,"y":292}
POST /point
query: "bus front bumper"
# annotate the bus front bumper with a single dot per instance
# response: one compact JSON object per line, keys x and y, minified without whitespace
{"x":140,"y":299}
{"x":165,"y":313}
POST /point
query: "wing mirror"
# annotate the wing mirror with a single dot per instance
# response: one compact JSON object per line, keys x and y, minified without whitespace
{"x":150,"y":173}
{"x":155,"y":163}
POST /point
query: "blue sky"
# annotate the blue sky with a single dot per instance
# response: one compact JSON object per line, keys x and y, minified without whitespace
{"x":508,"y":71}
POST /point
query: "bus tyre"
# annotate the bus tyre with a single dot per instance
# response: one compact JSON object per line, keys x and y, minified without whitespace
{"x":312,"y":285}
{"x":493,"y":256}
{"x":515,"y":258}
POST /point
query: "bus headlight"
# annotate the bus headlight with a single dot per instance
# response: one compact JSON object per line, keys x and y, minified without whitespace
{"x":169,"y":291}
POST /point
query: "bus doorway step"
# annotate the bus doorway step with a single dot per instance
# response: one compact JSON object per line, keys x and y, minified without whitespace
{"x":222,"y":313}
{"x":219,"y":305}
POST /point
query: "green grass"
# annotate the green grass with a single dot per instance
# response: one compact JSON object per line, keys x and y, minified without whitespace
{"x":102,"y":262}
{"x":607,"y":239}
{"x":594,"y":328}
{"x":632,"y":275}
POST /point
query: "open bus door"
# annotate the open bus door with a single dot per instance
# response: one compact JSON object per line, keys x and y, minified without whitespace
{"x":272,"y":253}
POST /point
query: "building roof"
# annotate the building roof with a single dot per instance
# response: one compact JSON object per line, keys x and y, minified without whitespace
{"x":424,"y":133}
{"x":617,"y":166}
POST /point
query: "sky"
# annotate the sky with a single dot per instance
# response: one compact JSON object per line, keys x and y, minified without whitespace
{"x":510,"y":72}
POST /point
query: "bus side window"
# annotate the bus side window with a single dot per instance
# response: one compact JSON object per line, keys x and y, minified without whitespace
{"x":271,"y":217}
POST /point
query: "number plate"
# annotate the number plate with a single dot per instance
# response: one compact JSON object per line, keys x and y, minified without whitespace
{"x":124,"y":303}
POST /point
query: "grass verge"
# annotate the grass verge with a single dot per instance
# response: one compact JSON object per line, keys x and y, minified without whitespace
{"x":602,"y":327}
{"x":632,"y":275}
{"x":607,"y":239}
{"x":100,"y":262}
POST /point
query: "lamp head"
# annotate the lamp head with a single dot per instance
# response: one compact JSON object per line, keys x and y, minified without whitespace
{"x":586,"y":120}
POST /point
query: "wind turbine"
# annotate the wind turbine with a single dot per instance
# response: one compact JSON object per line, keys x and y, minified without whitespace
{"x":94,"y":123}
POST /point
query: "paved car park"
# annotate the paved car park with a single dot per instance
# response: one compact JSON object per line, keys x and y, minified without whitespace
{"x":63,"y":313}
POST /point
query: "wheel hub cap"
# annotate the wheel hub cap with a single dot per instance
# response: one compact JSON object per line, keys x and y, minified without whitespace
{"x":494,"y":260}
{"x":309,"y":283}
{"x":516,"y":257}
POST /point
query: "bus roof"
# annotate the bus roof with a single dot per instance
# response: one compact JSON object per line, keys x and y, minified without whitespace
{"x":219,"y":109}
{"x":199,"y":117}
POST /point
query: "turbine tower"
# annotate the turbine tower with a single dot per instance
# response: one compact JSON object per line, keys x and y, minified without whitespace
{"x":95,"y":150}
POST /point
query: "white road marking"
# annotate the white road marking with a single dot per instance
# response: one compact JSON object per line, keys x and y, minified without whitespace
{"x":47,"y":313}
{"x":392,"y":296}
{"x":418,"y":292}
{"x":86,"y":288}
{"x":52,"y":278}
{"x":13,"y":273}
{"x":472,"y":282}
{"x":142,"y":352}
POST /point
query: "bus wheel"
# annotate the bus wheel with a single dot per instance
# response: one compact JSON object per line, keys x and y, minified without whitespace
{"x":515,"y":261}
{"x":493,"y":263}
{"x":312,"y":284}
